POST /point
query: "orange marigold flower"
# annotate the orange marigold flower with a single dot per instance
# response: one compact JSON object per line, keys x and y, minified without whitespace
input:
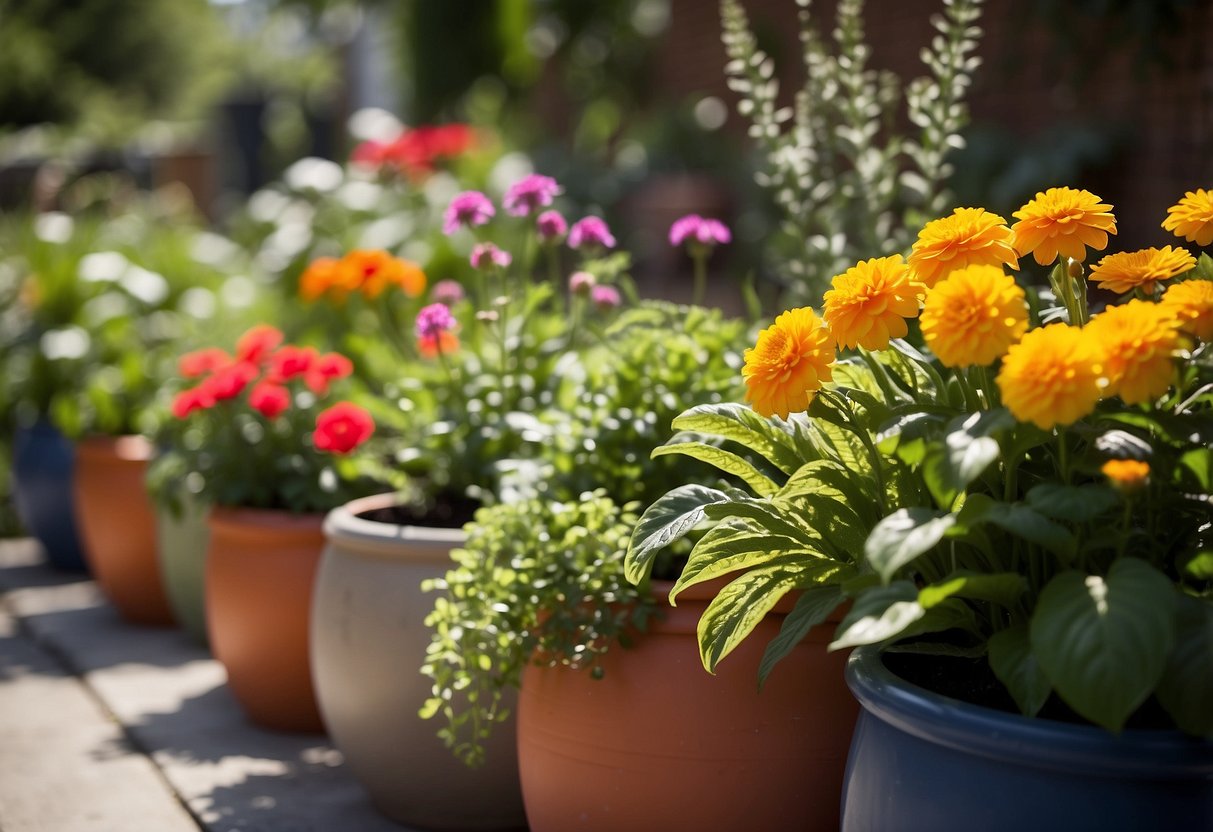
{"x":1126,"y":474}
{"x":968,"y":237}
{"x":318,"y":278}
{"x":1191,"y":301}
{"x":1137,"y":343}
{"x":1051,"y":377}
{"x":444,"y":343}
{"x":869,"y":303}
{"x":788,"y":365}
{"x":974,"y":316}
{"x":373,"y":271}
{"x":1192,"y":217}
{"x":1129,"y":270}
{"x":1062,"y":221}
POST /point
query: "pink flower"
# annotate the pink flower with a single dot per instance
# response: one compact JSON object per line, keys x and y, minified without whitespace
{"x":486,"y":255}
{"x":468,"y":209}
{"x":605,"y":298}
{"x":447,"y":291}
{"x":590,"y":231}
{"x":551,"y":226}
{"x":529,"y":195}
{"x":580,"y":283}
{"x":433,"y":320}
{"x":701,"y":230}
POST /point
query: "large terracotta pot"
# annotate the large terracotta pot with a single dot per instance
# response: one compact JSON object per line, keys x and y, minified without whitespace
{"x":181,"y":538}
{"x":118,"y":526}
{"x":260,"y":568}
{"x":43,"y":464}
{"x":369,"y":640}
{"x":658,"y":743}
{"x":923,"y":761}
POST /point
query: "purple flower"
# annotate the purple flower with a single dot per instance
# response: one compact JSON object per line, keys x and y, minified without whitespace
{"x":580,"y":283}
{"x":433,"y":320}
{"x":701,"y":230}
{"x":530,"y":194}
{"x":486,"y":255}
{"x":550,"y":226}
{"x":605,"y":297}
{"x":447,"y":291}
{"x":590,"y":231}
{"x":468,"y":209}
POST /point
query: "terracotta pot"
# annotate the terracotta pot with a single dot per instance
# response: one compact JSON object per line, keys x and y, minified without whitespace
{"x":181,"y":539}
{"x":658,"y":743}
{"x":260,"y":567}
{"x":118,"y":526}
{"x":368,"y":641}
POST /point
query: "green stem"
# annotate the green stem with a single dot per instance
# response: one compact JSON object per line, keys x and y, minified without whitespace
{"x":700,"y":260}
{"x":1063,"y":456}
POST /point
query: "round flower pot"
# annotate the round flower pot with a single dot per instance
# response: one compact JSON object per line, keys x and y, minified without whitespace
{"x":920,"y":760}
{"x":43,"y":462}
{"x":260,"y":568}
{"x":118,"y":526}
{"x":369,"y":640}
{"x":181,"y":538}
{"x":658,"y":743}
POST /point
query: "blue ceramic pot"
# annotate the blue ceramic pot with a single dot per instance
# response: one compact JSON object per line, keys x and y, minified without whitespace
{"x":921,"y":761}
{"x":43,"y":461}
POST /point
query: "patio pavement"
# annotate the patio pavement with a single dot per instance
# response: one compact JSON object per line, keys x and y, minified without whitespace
{"x":107,"y":727}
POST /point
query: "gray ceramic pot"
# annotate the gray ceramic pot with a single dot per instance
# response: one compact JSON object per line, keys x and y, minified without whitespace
{"x":181,"y":541}
{"x":368,"y":642}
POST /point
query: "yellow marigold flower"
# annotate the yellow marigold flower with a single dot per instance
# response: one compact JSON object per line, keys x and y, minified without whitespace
{"x":974,"y":316}
{"x":1192,"y":217}
{"x":1062,"y":221}
{"x":1137,"y":343}
{"x":1126,"y":474}
{"x":1051,"y":377}
{"x":1192,"y":303}
{"x":1129,"y":270}
{"x":788,"y":365}
{"x":968,"y":237}
{"x":869,"y":303}
{"x":318,"y":278}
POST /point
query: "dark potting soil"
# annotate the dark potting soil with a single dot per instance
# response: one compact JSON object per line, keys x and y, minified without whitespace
{"x":447,"y":511}
{"x":972,"y":681}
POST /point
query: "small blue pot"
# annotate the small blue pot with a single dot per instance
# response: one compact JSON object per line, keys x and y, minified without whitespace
{"x":921,"y":761}
{"x":43,"y":462}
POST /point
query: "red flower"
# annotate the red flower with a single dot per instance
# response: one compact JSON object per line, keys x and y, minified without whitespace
{"x":228,"y":382}
{"x":291,"y":362}
{"x":342,"y":428}
{"x":330,"y":366}
{"x":269,"y":399}
{"x":194,"y":398}
{"x":257,"y":344}
{"x":201,"y":362}
{"x":371,"y":153}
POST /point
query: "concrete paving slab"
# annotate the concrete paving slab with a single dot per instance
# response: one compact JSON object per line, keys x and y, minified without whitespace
{"x":169,"y":698}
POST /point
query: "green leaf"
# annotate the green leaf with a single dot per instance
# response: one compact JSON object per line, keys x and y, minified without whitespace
{"x":1186,"y":686}
{"x":967,"y":450}
{"x":1078,"y":503}
{"x":736,"y":610}
{"x":1012,"y":661}
{"x":812,"y":608}
{"x":827,"y":478}
{"x":1200,"y":566}
{"x":1020,"y":520}
{"x":1103,"y":642}
{"x":771,"y":515}
{"x":728,"y":548}
{"x":903,"y":536}
{"x":879,"y":614}
{"x":726,"y":461}
{"x":1003,"y":588}
{"x":740,"y":424}
{"x":667,"y":520}
{"x":907,"y":436}
{"x":1200,"y":462}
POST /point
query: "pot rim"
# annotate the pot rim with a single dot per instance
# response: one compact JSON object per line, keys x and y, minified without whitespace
{"x":270,"y":520}
{"x":1017,"y":739}
{"x":343,"y":525}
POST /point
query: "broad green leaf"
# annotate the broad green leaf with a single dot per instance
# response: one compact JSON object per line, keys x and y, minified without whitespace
{"x":728,"y":548}
{"x":840,"y":444}
{"x":967,"y":450}
{"x":736,"y":610}
{"x":1020,"y":520}
{"x":907,"y":436}
{"x":812,"y":608}
{"x":879,"y":614}
{"x":821,"y":476}
{"x":1012,"y":661}
{"x":1103,"y":642}
{"x":667,"y":520}
{"x":1003,"y":588}
{"x":1077,"y":503}
{"x":903,"y":536}
{"x":773,"y":516}
{"x":740,"y":424}
{"x":1200,"y":566}
{"x":1200,"y":462}
{"x":840,"y":529}
{"x":1186,"y":686}
{"x":726,"y":461}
